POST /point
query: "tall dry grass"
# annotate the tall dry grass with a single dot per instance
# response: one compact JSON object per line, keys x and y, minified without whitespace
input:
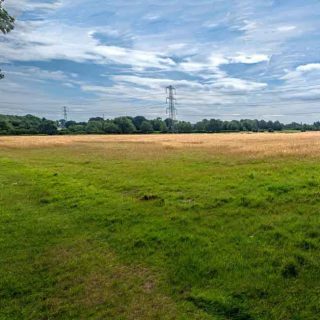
{"x":252,"y":145}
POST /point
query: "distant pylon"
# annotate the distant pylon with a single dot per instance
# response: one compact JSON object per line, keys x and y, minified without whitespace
{"x":65,"y":114}
{"x":171,"y":100}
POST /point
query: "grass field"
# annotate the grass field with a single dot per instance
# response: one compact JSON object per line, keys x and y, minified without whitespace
{"x":160,"y":227}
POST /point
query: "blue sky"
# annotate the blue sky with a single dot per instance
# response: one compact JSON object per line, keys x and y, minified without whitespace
{"x":228,"y":59}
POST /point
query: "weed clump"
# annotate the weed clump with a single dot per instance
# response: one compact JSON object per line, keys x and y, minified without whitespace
{"x":307,"y":245}
{"x":301,"y":260}
{"x":290,"y":270}
{"x":150,"y":197}
{"x":44,"y":201}
{"x":313,"y":234}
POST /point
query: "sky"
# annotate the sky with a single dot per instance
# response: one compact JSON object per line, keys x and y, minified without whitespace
{"x":227,"y":59}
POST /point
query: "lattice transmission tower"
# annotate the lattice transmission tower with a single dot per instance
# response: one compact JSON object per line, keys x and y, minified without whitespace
{"x":171,"y":100}
{"x":65,"y":114}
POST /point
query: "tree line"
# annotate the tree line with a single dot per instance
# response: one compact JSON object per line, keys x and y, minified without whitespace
{"x":32,"y":125}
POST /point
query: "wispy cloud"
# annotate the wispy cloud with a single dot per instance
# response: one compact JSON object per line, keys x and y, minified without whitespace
{"x":18,"y":6}
{"x":286,"y":28}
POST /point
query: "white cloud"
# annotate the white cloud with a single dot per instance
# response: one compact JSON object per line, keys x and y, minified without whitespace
{"x":248,"y":26}
{"x":48,"y":41}
{"x":151,"y":17}
{"x":135,"y":58}
{"x":238,"y":85}
{"x":34,"y":73}
{"x":286,"y":28}
{"x":249,"y":59}
{"x":309,"y":67}
{"x":302,"y":73}
{"x":213,"y":62}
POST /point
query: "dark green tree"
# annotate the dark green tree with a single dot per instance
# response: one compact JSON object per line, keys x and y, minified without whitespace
{"x":214,"y":125}
{"x":69,"y":123}
{"x":201,"y":126}
{"x":6,"y":24}
{"x":159,"y":125}
{"x":6,"y":21}
{"x":277,"y":126}
{"x":137,"y":121}
{"x":48,"y":127}
{"x":184,"y":127}
{"x":146,"y":127}
{"x":262,"y":125}
{"x":125,"y":124}
{"x":234,"y":125}
{"x":76,"y":128}
{"x":111,"y":127}
{"x":96,"y":119}
{"x":95,"y":126}
{"x":5,"y":127}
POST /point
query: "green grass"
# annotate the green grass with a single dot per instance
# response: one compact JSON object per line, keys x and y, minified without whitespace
{"x":124,"y":232}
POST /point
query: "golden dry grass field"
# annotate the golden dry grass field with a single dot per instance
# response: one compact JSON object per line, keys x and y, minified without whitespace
{"x":249,"y":144}
{"x":197,"y":226}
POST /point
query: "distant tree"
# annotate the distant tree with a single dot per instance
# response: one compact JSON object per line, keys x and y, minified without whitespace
{"x":234,"y":125}
{"x":248,"y":125}
{"x":5,"y":127}
{"x":137,"y":121}
{"x":316,"y":125}
{"x":95,"y":127}
{"x":76,"y":128}
{"x":262,"y":125}
{"x":125,"y":124}
{"x":201,"y":126}
{"x":270,"y":126}
{"x":96,"y":119}
{"x":111,"y":127}
{"x":48,"y":127}
{"x":255,"y":124}
{"x":214,"y":125}
{"x":69,"y":123}
{"x":146,"y":127}
{"x":184,"y":127}
{"x":159,"y":125}
{"x":277,"y":126}
{"x":6,"y":24}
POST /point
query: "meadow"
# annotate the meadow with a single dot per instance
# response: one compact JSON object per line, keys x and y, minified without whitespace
{"x":220,"y":226}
